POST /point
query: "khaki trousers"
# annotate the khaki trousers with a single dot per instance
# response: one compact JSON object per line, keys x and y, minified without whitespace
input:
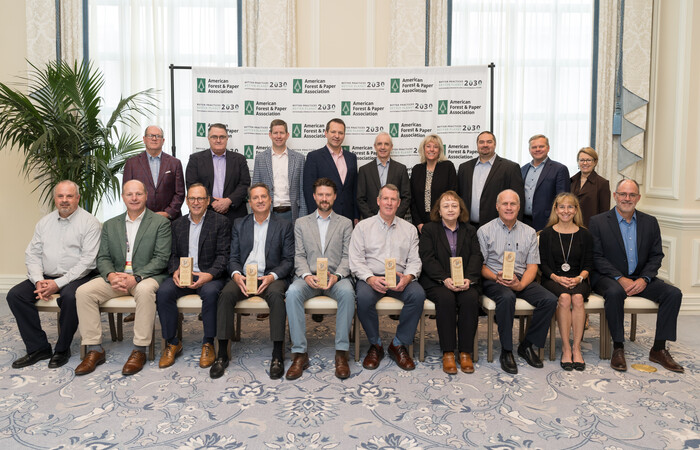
{"x":92,"y":294}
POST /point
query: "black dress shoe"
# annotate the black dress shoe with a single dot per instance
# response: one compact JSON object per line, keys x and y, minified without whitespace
{"x":276,"y":369}
{"x":317,"y":317}
{"x":58,"y":359}
{"x":568,"y":366}
{"x":580,"y":366}
{"x":218,"y":368}
{"x":530,"y":355}
{"x":508,"y":362}
{"x":32,"y":358}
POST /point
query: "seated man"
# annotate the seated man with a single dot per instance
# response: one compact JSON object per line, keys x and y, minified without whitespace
{"x":619,"y":274}
{"x":507,"y":233}
{"x":375,"y":240}
{"x":133,"y":257}
{"x":59,"y":258}
{"x":205,"y":236}
{"x":263,"y":239}
{"x":322,"y":234}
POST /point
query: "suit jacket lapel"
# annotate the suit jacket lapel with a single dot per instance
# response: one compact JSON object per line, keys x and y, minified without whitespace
{"x":615,"y":230}
{"x":442,"y":237}
{"x":545,"y":173}
{"x":331,"y":163}
{"x":145,"y":223}
{"x":206,"y":229}
{"x":332,"y":226}
{"x":271,"y":228}
{"x":143,"y":160}
{"x":461,"y":235}
{"x":492,"y":172}
{"x":163,"y":168}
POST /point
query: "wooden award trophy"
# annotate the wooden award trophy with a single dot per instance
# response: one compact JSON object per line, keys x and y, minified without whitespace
{"x":390,"y":272}
{"x":457,"y":271}
{"x":508,"y":265}
{"x":322,"y":272}
{"x":186,"y":271}
{"x":251,"y":278}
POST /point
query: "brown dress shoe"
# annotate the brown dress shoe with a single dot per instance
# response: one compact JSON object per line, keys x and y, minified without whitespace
{"x":300,"y":362}
{"x":91,"y":360}
{"x":449,"y":366}
{"x":401,"y":356}
{"x":342,"y":369}
{"x":374,"y":356}
{"x":206,"y":359}
{"x":465,"y":362}
{"x":664,"y":358}
{"x":135,"y":363}
{"x":169,"y":354}
{"x":130,"y":317}
{"x":617,"y":361}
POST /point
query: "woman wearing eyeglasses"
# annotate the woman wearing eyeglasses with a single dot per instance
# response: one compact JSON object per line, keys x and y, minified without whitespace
{"x":592,"y":190}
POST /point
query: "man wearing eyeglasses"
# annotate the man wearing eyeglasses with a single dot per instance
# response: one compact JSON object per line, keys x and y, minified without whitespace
{"x":205,"y":236}
{"x":627,"y":256}
{"x":223,"y":173}
{"x":160,"y":172}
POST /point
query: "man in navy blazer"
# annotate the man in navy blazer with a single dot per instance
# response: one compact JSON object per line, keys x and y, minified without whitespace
{"x":282,"y":170}
{"x":333,"y":162}
{"x":160,"y":172}
{"x":543,"y":180}
{"x":264,"y":239}
{"x":224,"y":173}
{"x":480,"y":180}
{"x":627,"y":256}
{"x":205,"y":236}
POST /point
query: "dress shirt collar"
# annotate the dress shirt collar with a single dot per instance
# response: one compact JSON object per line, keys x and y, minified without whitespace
{"x":544,"y":161}
{"x":379,"y":162}
{"x":620,"y":218}
{"x":319,"y":217}
{"x":214,"y":155}
{"x":489,"y":162}
{"x":444,"y":225}
{"x":503,"y":225}
{"x":138,"y":219}
{"x":279,"y":155}
{"x":384,"y":224}
{"x":154,"y":157}
{"x":335,"y":155}
{"x":189,"y":217}
{"x":69,"y":218}
{"x":267,"y":219}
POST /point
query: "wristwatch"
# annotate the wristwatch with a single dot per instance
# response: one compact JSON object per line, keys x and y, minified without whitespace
{"x":138,"y":278}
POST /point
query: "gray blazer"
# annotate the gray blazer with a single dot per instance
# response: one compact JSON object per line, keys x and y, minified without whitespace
{"x":307,"y":243}
{"x":262,"y":173}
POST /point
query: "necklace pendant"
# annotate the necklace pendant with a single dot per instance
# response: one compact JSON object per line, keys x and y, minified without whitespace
{"x":565,"y":267}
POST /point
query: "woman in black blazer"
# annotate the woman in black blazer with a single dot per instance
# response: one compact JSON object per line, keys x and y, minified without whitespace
{"x":450,"y":235}
{"x":592,"y":190}
{"x":429,"y":179}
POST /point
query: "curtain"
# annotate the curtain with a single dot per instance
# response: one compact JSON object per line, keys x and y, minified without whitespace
{"x":407,"y":36}
{"x":41,"y":31}
{"x":269,"y":37}
{"x":543,"y":62}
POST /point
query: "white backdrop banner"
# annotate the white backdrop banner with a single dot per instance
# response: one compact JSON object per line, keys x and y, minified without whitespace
{"x":407,"y":103}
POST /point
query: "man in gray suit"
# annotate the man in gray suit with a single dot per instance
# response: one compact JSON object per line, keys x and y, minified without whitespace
{"x":321,"y":234}
{"x":378,"y":172}
{"x":282,"y":169}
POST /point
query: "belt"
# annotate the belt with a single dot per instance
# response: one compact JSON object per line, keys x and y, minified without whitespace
{"x":282,"y":209}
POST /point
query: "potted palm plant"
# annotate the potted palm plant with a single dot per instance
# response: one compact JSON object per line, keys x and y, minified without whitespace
{"x":58,"y":128}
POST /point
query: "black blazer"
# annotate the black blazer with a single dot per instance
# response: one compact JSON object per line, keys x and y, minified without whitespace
{"x":368,"y":186}
{"x":279,"y":246}
{"x":504,"y":174}
{"x":444,"y":179}
{"x":434,"y":250}
{"x":609,"y":255}
{"x":319,"y":164}
{"x":200,"y":169}
{"x":213,"y":248}
{"x":594,"y":196}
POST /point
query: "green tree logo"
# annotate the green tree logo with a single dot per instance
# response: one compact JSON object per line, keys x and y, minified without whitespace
{"x":297,"y":86}
{"x":345,"y":108}
{"x":395,"y":85}
{"x":201,"y":85}
{"x":249,"y":107}
{"x":296,"y":130}
{"x":442,"y":107}
{"x":248,"y":152}
{"x":394,"y":130}
{"x":201,"y":129}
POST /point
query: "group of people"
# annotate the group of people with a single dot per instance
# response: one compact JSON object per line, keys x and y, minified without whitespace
{"x":469,"y":236}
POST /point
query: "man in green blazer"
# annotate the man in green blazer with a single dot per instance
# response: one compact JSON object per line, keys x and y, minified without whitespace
{"x":132,"y":260}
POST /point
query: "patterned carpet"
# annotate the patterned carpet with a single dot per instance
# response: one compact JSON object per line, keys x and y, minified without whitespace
{"x":181,"y":407}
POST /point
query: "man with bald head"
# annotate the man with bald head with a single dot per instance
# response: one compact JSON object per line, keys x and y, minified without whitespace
{"x":59,"y":258}
{"x":132,"y":260}
{"x":627,"y":256}
{"x":381,"y":171}
{"x":503,"y":234}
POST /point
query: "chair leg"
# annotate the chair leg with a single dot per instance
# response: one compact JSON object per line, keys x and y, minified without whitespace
{"x":237,"y":330}
{"x":83,"y":351}
{"x":58,"y":323}
{"x":357,"y":338}
{"x":475,"y":352}
{"x":152,"y":346}
{"x":180,"y":318}
{"x":521,"y":328}
{"x":120,"y":327}
{"x":633,"y":327}
{"x":552,"y":337}
{"x":489,"y":335}
{"x":421,"y":338}
{"x":112,"y":329}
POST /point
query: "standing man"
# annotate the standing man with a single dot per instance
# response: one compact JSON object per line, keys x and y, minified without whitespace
{"x":282,"y":170}
{"x":59,"y":258}
{"x":481,"y":179}
{"x":322,"y":234}
{"x":222,"y":172}
{"x":373,"y":242}
{"x":204,"y":236}
{"x":133,"y":258}
{"x":627,"y":255}
{"x":266,"y":240}
{"x":377,"y":173}
{"x":507,"y":233}
{"x":338,"y":165}
{"x":160,"y":172}
{"x":543,"y":179}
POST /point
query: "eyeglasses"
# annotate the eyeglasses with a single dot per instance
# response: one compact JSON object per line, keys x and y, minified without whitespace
{"x":154,"y":136}
{"x":585,"y":161}
{"x":630,"y":195}
{"x":218,"y":138}
{"x":197,"y":199}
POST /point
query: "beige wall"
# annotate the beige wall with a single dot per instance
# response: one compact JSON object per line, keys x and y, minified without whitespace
{"x":20,"y":206}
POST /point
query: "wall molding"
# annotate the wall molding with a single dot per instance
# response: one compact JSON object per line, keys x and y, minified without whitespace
{"x":675,"y":218}
{"x":7,"y":282}
{"x":695,"y":264}
{"x":668,"y":244}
